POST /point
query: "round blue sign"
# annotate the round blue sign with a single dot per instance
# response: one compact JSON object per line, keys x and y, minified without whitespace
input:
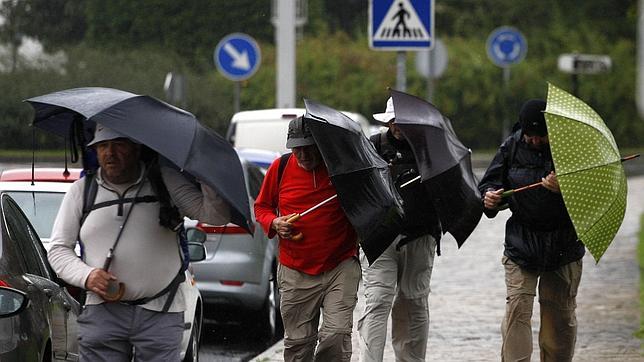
{"x":506,"y":46}
{"x":237,"y":56}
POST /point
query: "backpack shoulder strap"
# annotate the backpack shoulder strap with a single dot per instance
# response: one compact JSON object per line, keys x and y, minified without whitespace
{"x":280,"y":170}
{"x":89,"y":195}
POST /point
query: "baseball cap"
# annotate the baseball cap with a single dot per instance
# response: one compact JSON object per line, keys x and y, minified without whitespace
{"x":103,"y":133}
{"x":299,"y":134}
{"x":388,"y":115}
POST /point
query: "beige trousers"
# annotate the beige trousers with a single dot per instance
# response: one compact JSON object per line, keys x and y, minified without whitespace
{"x":557,"y":298}
{"x":397,"y":282}
{"x":302,"y":297}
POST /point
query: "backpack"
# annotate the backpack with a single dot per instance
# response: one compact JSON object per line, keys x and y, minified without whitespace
{"x":168,"y":217}
{"x":280,"y":170}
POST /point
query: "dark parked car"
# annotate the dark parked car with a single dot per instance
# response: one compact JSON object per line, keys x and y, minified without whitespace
{"x":37,"y":314}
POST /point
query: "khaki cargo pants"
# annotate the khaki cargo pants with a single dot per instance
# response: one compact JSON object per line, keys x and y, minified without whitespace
{"x":397,"y":283}
{"x":302,"y":297}
{"x":557,"y":298}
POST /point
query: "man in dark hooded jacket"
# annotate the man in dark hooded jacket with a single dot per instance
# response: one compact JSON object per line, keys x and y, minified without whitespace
{"x":541,"y":245}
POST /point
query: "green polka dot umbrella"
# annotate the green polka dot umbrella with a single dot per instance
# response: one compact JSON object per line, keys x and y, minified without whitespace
{"x":589,"y":169}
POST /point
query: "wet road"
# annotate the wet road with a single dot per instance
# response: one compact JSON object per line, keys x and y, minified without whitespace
{"x":229,"y":342}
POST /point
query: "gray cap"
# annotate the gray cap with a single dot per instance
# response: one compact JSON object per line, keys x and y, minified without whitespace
{"x":299,"y":134}
{"x":388,"y":114}
{"x":103,"y":133}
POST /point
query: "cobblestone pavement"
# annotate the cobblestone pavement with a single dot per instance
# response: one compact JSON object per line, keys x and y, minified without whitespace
{"x":468,"y":298}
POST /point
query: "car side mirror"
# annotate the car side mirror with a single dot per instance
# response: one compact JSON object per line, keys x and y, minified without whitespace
{"x":196,"y":235}
{"x":197,"y":251}
{"x":12,"y":302}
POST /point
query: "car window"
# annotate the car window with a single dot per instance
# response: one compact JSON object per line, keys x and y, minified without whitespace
{"x":40,"y":208}
{"x":255,"y":178}
{"x":25,"y":238}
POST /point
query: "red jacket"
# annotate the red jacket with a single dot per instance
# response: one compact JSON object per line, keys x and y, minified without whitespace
{"x":328,"y":238}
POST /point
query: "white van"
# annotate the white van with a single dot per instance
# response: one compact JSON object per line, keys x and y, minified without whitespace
{"x":267,"y":128}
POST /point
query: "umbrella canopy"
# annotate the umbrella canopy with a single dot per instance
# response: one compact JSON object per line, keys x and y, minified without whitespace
{"x":589,"y":169}
{"x":360,"y":176}
{"x":172,"y":132}
{"x":444,"y":164}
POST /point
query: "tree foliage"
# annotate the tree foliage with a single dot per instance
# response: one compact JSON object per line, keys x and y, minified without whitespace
{"x":132,"y":45}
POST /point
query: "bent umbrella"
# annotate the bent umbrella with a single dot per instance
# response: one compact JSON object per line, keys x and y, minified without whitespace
{"x":172,"y":132}
{"x":360,"y":176}
{"x":444,"y":164}
{"x":589,"y":169}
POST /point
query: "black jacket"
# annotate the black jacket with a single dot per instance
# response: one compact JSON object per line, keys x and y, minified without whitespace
{"x":539,"y":235}
{"x":420,"y":213}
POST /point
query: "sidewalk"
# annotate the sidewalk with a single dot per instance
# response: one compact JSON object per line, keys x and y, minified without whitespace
{"x":468,"y":298}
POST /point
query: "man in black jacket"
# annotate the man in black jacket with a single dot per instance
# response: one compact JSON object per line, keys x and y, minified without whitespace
{"x":398,"y":281}
{"x":541,"y":246}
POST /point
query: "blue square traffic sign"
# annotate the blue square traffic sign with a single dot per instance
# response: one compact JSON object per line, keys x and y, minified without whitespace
{"x":401,"y":24}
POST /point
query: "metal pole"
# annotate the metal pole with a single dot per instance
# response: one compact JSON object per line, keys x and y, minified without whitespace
{"x":575,"y":85}
{"x":401,"y":71}
{"x":430,"y":75}
{"x":237,"y":93}
{"x":639,"y":91}
{"x":506,"y":97}
{"x":285,"y":57}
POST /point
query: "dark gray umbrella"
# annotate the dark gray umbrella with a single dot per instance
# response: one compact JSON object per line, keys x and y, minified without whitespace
{"x":172,"y":132}
{"x":360,"y":176}
{"x":444,"y":164}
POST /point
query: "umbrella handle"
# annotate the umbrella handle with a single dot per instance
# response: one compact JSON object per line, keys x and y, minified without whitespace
{"x":528,"y":187}
{"x":628,"y":158}
{"x":115,"y":297}
{"x":292,"y":219}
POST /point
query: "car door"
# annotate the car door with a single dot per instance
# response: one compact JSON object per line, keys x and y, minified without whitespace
{"x":41,"y":281}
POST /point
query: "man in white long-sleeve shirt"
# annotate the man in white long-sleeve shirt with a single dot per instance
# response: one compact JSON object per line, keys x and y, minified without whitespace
{"x":147,"y":259}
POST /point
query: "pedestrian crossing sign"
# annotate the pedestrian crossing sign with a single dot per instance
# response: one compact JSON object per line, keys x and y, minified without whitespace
{"x":401,"y":24}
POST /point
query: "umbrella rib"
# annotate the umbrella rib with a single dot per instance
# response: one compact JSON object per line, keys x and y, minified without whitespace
{"x":588,"y":168}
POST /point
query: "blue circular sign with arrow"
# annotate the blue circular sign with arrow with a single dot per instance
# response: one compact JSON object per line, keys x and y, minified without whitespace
{"x":237,"y":56}
{"x":506,"y":46}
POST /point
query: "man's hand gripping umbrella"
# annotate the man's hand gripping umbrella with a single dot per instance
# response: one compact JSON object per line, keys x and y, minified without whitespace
{"x":284,"y":225}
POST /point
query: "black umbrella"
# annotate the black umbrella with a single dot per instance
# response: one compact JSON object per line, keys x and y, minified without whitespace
{"x":360,"y":176}
{"x":444,"y":164}
{"x":172,"y":132}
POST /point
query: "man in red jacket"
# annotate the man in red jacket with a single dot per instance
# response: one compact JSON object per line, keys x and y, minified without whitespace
{"x":319,"y":270}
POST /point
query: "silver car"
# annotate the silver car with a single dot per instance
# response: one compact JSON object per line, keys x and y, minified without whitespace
{"x":237,"y":280}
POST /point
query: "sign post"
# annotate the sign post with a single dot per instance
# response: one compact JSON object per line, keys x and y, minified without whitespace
{"x":506,"y":46}
{"x":401,"y":25}
{"x":576,"y":64}
{"x":237,"y":57}
{"x":431,"y":65}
